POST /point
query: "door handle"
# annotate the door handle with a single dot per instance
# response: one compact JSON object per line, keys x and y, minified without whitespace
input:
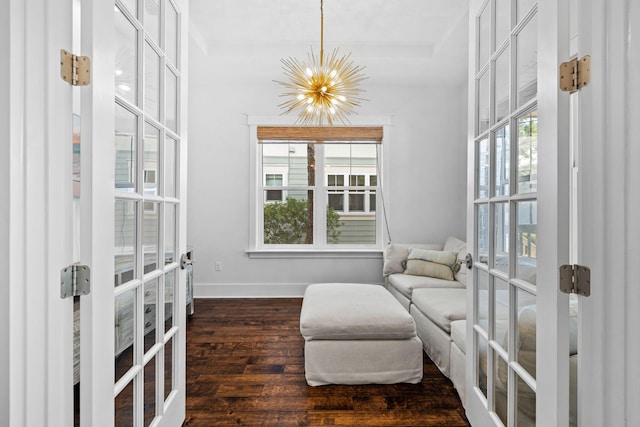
{"x":469,"y":261}
{"x":185,"y":260}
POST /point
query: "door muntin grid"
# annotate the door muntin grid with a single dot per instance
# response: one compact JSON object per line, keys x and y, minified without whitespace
{"x":147,"y":202}
{"x":505,"y":216}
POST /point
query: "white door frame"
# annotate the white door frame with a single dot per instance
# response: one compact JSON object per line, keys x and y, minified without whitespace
{"x":35,"y":117}
{"x":97,"y":238}
{"x":552,"y":407}
{"x":608,"y":203}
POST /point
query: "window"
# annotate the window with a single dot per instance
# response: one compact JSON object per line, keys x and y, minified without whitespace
{"x":360,"y":200}
{"x":317,"y":193}
{"x":149,"y":176}
{"x":273,"y":180}
{"x":336,"y":197}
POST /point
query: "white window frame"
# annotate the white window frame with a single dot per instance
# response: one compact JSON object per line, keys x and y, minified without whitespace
{"x":256,"y":248}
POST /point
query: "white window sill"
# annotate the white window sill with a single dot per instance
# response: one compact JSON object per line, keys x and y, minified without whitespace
{"x":315,"y":253}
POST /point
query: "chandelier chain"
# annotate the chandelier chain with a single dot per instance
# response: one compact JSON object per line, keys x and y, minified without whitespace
{"x":321,"y":31}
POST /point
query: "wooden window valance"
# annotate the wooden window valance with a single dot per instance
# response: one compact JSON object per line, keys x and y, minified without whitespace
{"x":320,"y":134}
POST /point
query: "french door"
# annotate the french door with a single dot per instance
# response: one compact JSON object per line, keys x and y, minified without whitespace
{"x":64,"y":206}
{"x":518,"y":365}
{"x":133,"y":222}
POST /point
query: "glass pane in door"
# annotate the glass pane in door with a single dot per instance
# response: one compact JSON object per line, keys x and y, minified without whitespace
{"x":527,"y":153}
{"x":526,"y":331}
{"x":170,"y":251}
{"x":149,"y":391}
{"x":482,"y":230}
{"x":151,"y":154}
{"x":124,"y":413}
{"x":171,"y":103}
{"x":526,"y":404}
{"x":481,"y":363}
{"x":151,"y":82}
{"x":526,"y":229}
{"x":168,"y":368}
{"x":125,"y":241}
{"x":501,"y":387}
{"x":484,"y":84}
{"x":150,"y":236}
{"x":132,"y":7}
{"x":484,"y":36}
{"x":501,"y":313}
{"x":125,"y":50}
{"x":501,"y":237}
{"x":527,"y":62}
{"x":170,"y":166}
{"x":171,"y":38}
{"x":482,"y":298}
{"x":152,"y":20}
{"x":124,"y":308}
{"x":169,"y":298}
{"x":150,"y":310}
{"x":503,"y":20}
{"x":126,"y":140}
{"x":482,"y":171}
{"x":523,"y":7}
{"x":502,"y":86}
{"x":502,"y":162}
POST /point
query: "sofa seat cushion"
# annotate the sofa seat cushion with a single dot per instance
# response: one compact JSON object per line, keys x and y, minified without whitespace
{"x":406,"y":283}
{"x":350,"y":311}
{"x":459,"y":333}
{"x":441,"y":306}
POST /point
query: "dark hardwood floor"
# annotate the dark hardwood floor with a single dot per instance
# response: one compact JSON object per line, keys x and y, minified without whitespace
{"x":245,"y":366}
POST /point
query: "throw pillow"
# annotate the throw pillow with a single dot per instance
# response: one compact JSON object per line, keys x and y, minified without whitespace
{"x":438,"y":264}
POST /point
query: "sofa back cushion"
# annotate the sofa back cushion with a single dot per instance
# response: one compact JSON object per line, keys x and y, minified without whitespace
{"x":438,"y":264}
{"x":456,"y":245}
{"x":395,"y":255}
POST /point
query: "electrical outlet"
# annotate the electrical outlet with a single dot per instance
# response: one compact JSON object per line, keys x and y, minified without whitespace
{"x":218,"y":266}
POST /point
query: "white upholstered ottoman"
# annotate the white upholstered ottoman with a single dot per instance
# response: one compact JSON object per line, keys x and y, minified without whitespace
{"x":358,"y":334}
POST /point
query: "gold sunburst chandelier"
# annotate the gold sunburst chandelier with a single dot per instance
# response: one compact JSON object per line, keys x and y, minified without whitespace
{"x":325,"y":90}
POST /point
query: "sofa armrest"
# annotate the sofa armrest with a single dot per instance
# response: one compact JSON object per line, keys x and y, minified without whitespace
{"x":396,"y":253}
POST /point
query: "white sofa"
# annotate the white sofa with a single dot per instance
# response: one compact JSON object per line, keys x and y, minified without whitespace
{"x":439,"y":309}
{"x":433,"y":303}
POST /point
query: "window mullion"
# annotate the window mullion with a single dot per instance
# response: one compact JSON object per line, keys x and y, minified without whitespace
{"x":259,"y":198}
{"x":321,"y":196}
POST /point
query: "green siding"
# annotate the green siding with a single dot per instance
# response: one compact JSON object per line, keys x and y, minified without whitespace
{"x":356,"y":231}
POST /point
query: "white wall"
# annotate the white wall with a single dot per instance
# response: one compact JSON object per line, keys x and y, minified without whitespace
{"x":427,"y":172}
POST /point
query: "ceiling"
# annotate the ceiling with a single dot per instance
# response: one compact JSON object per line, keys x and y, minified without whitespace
{"x":398,"y":41}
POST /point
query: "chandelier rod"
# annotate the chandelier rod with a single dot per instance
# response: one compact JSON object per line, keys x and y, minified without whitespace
{"x":321,"y":32}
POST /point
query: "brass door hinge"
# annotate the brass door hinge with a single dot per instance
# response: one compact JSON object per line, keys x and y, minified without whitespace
{"x":575,"y":74}
{"x":575,"y":279}
{"x":75,"y":70}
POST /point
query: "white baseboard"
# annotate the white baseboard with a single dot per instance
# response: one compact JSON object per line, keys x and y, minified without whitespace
{"x":249,"y":290}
